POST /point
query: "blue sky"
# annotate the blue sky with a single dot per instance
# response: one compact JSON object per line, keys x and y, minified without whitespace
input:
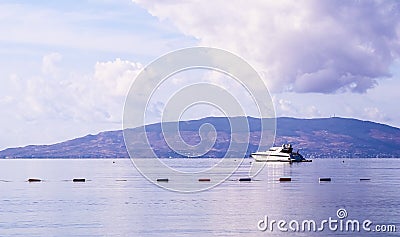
{"x":66,"y":66}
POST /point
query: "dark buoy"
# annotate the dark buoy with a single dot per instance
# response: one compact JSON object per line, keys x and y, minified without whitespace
{"x":244,"y":179}
{"x":79,"y":180}
{"x":162,"y":180}
{"x":325,"y":179}
{"x":204,"y":180}
{"x":34,"y":180}
{"x":285,"y":179}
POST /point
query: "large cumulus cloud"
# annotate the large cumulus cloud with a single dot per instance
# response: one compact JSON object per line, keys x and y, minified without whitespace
{"x":56,"y":103}
{"x":301,"y":46}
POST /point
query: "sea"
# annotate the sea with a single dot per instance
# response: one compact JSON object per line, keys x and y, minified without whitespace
{"x":360,"y":197}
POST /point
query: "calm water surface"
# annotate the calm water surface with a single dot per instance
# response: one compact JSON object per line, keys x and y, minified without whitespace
{"x":117,"y":201}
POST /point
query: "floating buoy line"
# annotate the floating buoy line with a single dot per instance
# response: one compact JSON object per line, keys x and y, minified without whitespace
{"x":241,"y":179}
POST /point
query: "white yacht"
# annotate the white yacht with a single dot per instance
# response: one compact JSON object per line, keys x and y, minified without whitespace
{"x":279,"y":154}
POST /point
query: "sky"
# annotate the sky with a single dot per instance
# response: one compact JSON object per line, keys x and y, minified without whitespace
{"x":66,"y":66}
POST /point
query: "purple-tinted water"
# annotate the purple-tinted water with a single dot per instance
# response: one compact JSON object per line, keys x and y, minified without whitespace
{"x":116,"y":200}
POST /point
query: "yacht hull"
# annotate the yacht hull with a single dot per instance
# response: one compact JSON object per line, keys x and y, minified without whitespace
{"x":269,"y":158}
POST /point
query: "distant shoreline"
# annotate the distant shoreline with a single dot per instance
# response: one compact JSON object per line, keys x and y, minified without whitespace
{"x":180,"y":158}
{"x":316,"y":138}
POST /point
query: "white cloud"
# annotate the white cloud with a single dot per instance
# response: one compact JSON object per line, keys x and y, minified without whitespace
{"x":375,"y":114}
{"x":313,"y":111}
{"x":291,"y":108}
{"x":116,"y":76}
{"x":101,"y":94}
{"x":44,"y":105}
{"x":6,"y":99}
{"x":301,"y":46}
{"x":285,"y":105}
{"x":49,"y":63}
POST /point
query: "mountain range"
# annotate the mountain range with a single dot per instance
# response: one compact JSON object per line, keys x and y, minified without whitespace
{"x":316,"y":138}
